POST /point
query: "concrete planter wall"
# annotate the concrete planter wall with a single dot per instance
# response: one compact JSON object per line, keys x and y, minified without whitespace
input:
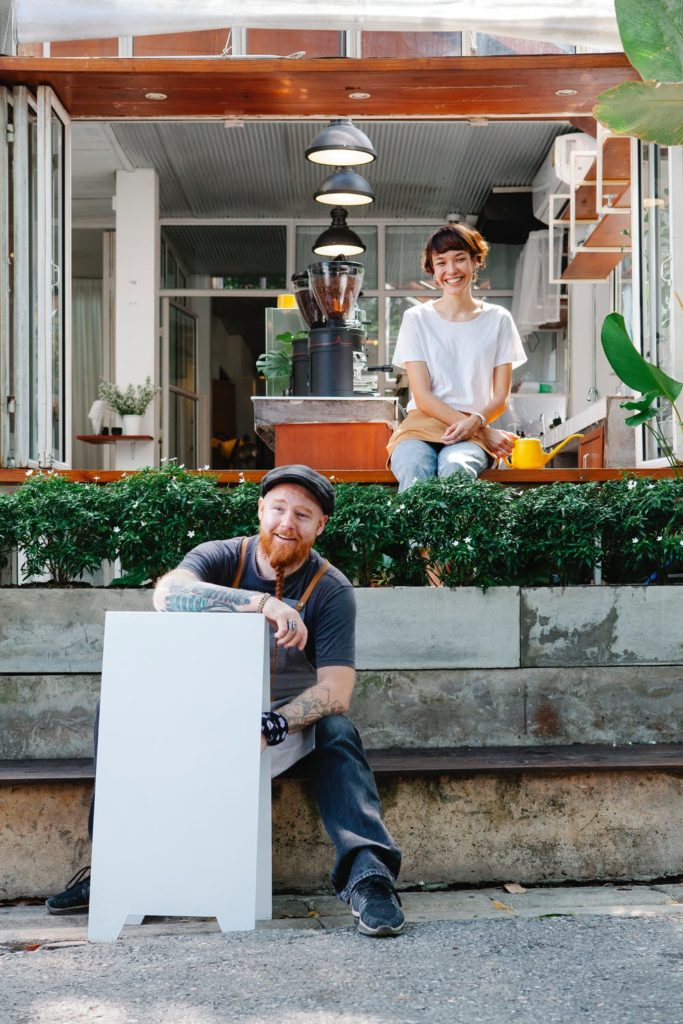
{"x":436,"y":667}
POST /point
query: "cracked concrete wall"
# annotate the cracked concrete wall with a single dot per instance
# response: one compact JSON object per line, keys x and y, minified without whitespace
{"x":438,"y":668}
{"x":52,"y":716}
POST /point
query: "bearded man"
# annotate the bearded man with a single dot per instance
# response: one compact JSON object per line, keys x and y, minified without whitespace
{"x":311,"y":608}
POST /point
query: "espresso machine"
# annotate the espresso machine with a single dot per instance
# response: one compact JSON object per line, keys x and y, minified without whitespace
{"x":327,"y":295}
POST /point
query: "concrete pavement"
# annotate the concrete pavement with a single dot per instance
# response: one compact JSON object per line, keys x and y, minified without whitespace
{"x":596,"y":954}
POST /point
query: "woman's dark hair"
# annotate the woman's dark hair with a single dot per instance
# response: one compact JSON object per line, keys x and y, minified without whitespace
{"x":456,"y":238}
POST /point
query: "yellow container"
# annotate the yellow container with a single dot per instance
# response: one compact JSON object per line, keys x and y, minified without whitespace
{"x":286,"y":301}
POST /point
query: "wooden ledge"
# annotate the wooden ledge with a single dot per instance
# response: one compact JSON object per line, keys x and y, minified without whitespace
{"x":230,"y":477}
{"x":577,"y":757}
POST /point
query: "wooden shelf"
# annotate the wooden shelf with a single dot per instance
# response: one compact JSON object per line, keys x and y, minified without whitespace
{"x":112,"y":438}
{"x":592,"y":266}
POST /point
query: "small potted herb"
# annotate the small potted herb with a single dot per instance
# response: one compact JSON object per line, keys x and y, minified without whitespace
{"x":130,"y":403}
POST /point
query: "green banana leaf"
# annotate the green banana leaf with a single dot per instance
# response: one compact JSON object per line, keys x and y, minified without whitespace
{"x":652,"y":111}
{"x":632,"y":369}
{"x":646,"y":406}
{"x":652,"y":36}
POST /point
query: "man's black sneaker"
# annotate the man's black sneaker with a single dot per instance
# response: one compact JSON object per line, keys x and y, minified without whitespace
{"x":75,"y":897}
{"x":377,"y":907}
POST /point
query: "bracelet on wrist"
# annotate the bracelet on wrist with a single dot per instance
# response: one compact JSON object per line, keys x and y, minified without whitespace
{"x":481,"y":416}
{"x":262,"y":603}
{"x":274,"y":728}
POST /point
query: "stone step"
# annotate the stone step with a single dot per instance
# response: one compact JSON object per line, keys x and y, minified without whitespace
{"x":461,"y":816}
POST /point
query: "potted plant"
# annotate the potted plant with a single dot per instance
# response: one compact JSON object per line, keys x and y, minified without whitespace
{"x":130,"y":403}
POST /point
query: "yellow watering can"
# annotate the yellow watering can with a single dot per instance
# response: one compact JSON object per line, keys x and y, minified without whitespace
{"x":528,"y":453}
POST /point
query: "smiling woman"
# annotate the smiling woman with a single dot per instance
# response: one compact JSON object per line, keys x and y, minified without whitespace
{"x":459,"y":353}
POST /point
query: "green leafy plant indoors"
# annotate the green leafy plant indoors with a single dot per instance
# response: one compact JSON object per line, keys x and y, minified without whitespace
{"x":132,"y":401}
{"x":276,"y":366}
{"x":644,"y":377}
{"x":62,"y":527}
{"x":652,"y":36}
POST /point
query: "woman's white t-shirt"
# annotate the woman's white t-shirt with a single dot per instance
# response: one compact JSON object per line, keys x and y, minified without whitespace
{"x":460,"y":357}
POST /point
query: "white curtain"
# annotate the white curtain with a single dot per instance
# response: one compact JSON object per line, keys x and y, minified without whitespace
{"x":536,"y":301}
{"x":589,"y":23}
{"x":86,"y":365}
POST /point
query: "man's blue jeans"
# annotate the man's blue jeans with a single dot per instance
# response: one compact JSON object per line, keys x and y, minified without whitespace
{"x":349,"y":805}
{"x":421,"y":460}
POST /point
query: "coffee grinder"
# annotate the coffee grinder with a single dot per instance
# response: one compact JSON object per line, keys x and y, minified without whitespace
{"x":335,"y":285}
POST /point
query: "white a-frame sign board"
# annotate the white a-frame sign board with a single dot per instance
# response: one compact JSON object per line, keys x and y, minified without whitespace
{"x":182,"y":800}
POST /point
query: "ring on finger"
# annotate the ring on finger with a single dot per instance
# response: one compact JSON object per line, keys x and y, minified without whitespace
{"x":292,"y":626}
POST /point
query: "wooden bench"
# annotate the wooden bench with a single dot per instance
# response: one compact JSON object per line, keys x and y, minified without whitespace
{"x":417,"y":761}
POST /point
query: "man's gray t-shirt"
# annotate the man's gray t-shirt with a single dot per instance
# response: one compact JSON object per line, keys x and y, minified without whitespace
{"x":329,"y":614}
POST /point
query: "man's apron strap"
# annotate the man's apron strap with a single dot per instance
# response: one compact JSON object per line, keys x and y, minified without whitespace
{"x":301,"y":603}
{"x":237,"y":579}
{"x":312,"y":585}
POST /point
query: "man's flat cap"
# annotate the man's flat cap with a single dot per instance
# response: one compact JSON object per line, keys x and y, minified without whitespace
{"x":316,"y":484}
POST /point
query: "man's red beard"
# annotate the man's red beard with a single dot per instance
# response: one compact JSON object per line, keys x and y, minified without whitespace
{"x":282,"y":554}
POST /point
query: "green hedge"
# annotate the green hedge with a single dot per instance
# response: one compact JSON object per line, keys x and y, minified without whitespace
{"x":472,"y":533}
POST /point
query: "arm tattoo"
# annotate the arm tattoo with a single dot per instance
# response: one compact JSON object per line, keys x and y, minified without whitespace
{"x":309,"y":707}
{"x":197,"y":596}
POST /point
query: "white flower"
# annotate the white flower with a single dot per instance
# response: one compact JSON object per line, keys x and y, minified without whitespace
{"x":29,"y":472}
{"x":468,"y":540}
{"x":117,"y":529}
{"x":659,"y":537}
{"x":96,"y":478}
{"x":190,"y":533}
{"x":456,"y":543}
{"x":631,"y":484}
{"x":634,"y":540}
{"x":204,"y":468}
{"x":401,"y":508}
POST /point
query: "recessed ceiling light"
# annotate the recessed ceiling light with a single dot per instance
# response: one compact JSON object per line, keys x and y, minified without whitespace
{"x":359,"y":95}
{"x":156,"y":96}
{"x":566,"y":92}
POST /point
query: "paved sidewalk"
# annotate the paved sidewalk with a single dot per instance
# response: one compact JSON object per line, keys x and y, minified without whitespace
{"x":598,"y":954}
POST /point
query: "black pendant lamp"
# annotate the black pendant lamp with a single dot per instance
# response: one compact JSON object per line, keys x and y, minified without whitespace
{"x":341,"y":144}
{"x":338,"y":240}
{"x":345,"y":188}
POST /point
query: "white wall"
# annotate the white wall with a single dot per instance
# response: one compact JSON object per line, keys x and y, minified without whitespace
{"x":589,"y":304}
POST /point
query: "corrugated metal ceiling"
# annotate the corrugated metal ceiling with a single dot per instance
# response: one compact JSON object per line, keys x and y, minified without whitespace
{"x":423,"y":170}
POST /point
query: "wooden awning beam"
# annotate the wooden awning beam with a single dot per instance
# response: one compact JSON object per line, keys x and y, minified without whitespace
{"x":452,"y":87}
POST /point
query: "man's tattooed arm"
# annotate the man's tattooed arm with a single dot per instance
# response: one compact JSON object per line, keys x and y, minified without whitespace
{"x":330,"y":696}
{"x":181,"y":591}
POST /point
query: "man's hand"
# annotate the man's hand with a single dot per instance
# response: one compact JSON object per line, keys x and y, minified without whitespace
{"x":463,"y":430}
{"x":283,"y":617}
{"x":499,"y":442}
